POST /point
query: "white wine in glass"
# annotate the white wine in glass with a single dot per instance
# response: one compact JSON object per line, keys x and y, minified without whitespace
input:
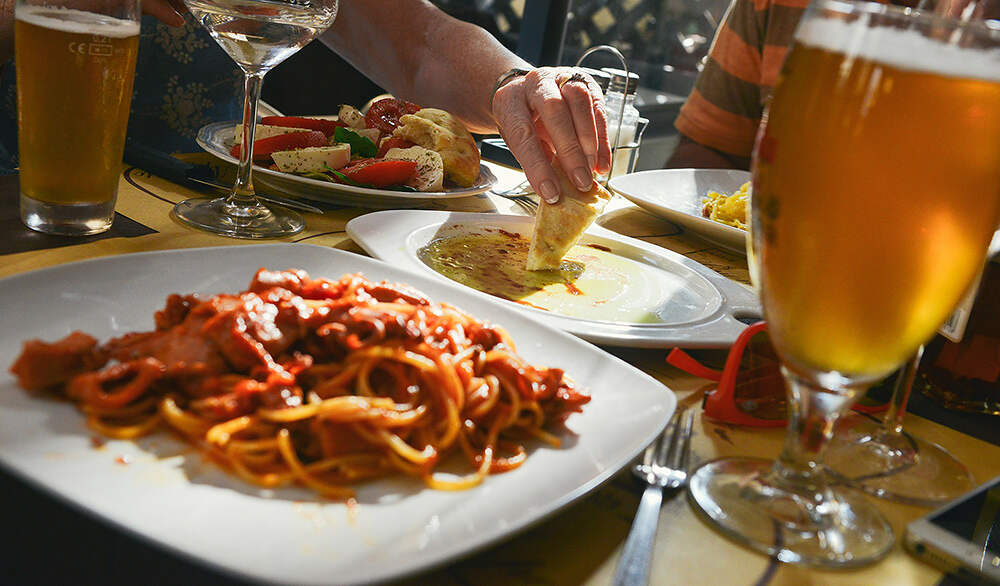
{"x":257,"y":34}
{"x":875,"y":197}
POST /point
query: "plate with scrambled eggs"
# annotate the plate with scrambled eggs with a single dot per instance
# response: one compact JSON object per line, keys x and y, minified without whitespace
{"x":711,"y":203}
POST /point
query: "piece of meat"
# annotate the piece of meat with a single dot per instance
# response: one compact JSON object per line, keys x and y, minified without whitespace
{"x":293,"y":280}
{"x":183,"y":348}
{"x":252,"y":332}
{"x":394,"y":292}
{"x":175,"y":310}
{"x":43,"y":365}
{"x":180,"y":348}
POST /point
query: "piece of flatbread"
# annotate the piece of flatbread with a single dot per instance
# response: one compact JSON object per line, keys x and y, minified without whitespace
{"x":558,"y":226}
{"x":441,"y":132}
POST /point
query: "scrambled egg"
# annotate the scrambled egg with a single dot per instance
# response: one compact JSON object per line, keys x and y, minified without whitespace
{"x":730,"y":210}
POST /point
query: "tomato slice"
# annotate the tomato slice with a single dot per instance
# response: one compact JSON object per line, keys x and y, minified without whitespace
{"x":385,"y":113}
{"x":380,"y":173}
{"x":327,"y":127}
{"x":263,"y":148}
{"x":393,"y":142}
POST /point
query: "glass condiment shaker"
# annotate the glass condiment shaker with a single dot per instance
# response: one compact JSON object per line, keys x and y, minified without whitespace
{"x":625,"y":144}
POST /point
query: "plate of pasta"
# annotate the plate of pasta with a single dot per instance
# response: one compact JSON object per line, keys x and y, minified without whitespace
{"x":375,"y":421}
{"x":710,"y":203}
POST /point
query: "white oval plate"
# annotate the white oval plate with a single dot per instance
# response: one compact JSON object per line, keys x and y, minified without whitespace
{"x":171,"y":496}
{"x":677,"y":195}
{"x":217,"y":139}
{"x":712,"y":322}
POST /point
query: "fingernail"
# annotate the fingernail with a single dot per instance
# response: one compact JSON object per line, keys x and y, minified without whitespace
{"x":583,"y":178}
{"x":591,"y":162}
{"x":549,"y":191}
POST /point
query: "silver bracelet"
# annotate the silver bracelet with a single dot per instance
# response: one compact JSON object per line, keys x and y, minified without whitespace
{"x":504,"y":78}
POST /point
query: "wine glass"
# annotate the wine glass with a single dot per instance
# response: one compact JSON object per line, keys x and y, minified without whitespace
{"x":878,"y":457}
{"x":257,"y":34}
{"x":866,"y":232}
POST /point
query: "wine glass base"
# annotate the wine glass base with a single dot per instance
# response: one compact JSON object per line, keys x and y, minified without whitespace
{"x":219,"y":216}
{"x":897,"y":467}
{"x":741,"y":498}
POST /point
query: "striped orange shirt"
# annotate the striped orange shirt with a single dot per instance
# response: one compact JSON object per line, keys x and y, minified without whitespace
{"x":728,"y":99}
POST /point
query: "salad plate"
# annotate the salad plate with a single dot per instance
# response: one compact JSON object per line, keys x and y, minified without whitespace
{"x":169,"y":495}
{"x":678,"y":195}
{"x":630,"y":293}
{"x":218,"y":139}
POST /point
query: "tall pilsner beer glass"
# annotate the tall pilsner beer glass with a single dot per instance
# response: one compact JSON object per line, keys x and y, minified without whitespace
{"x":876,"y":192}
{"x":75,"y":67}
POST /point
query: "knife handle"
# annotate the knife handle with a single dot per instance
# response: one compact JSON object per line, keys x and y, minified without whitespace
{"x":157,"y":162}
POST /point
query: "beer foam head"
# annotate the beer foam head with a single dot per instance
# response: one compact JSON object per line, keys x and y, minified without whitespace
{"x":76,"y":21}
{"x":905,"y":49}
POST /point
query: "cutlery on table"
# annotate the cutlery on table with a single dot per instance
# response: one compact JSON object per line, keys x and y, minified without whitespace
{"x":663,"y":467}
{"x":521,"y":195}
{"x":193,"y":176}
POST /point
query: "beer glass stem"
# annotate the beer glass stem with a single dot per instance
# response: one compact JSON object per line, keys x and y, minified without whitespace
{"x":812,"y":412}
{"x":242,"y":196}
{"x":892,"y":423}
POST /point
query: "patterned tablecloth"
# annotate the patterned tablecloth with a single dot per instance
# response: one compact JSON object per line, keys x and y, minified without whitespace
{"x":581,"y":544}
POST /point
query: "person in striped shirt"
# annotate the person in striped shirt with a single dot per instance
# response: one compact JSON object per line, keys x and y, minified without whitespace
{"x":719,"y":121}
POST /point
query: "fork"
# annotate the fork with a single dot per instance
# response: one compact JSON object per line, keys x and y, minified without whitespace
{"x":664,"y":466}
{"x":521,"y":195}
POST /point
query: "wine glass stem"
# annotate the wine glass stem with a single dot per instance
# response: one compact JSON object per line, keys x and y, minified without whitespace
{"x":243,"y":193}
{"x":892,"y":423}
{"x":812,"y":412}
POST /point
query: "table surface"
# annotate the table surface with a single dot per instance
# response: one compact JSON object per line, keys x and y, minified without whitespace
{"x":581,"y":545}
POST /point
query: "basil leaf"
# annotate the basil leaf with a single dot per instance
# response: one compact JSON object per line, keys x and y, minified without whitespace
{"x":361,"y":146}
{"x":317,"y":176}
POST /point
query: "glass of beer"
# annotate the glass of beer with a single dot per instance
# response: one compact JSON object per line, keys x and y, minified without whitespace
{"x":876,"y":193}
{"x":75,"y":64}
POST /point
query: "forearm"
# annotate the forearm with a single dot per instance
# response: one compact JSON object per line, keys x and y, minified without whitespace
{"x":693,"y":155}
{"x":419,"y":53}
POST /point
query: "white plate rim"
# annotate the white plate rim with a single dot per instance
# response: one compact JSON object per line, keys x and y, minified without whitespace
{"x":210,"y":135}
{"x":667,"y":402}
{"x":382,"y":234}
{"x":731,"y":238}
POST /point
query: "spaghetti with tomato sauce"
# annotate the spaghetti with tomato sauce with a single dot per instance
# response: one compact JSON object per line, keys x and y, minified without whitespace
{"x":316,"y":382}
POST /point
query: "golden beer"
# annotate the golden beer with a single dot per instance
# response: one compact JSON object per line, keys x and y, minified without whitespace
{"x":74,"y":82}
{"x":876,"y":193}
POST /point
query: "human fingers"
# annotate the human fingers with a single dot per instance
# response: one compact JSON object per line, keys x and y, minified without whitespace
{"x":586,"y":106}
{"x":601,"y":123}
{"x":516,"y":124}
{"x":164,"y":11}
{"x":545,"y":98}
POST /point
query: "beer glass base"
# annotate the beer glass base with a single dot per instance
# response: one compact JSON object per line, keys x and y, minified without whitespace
{"x":252,"y":221}
{"x":748,"y":503}
{"x":897,"y":467}
{"x":76,"y":219}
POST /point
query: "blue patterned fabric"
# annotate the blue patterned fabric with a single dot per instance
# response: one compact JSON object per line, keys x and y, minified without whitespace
{"x":183,"y":80}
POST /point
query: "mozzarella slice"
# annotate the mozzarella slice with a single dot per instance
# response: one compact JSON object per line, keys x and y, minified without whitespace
{"x":351,"y":116}
{"x":264,"y":131}
{"x":312,"y":159}
{"x":429,"y":175}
